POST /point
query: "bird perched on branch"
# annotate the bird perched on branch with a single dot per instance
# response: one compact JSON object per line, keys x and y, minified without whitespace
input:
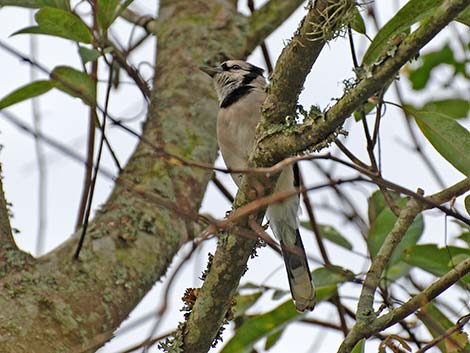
{"x":240,"y":88}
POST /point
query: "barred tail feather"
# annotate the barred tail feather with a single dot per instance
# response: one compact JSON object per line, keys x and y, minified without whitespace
{"x":298,"y":272}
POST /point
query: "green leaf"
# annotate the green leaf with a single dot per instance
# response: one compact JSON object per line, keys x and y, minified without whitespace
{"x":109,"y":10}
{"x":123,"y":6}
{"x":448,"y":137}
{"x":357,"y":22}
{"x":383,"y":225}
{"x":30,"y":90}
{"x":106,"y":11}
{"x":360,"y":346}
{"x":75,"y":83}
{"x":437,"y":324}
{"x":279,"y":293}
{"x":274,"y":321}
{"x":59,"y":23}
{"x":252,"y":330}
{"x":273,"y":339}
{"x":330,"y":233}
{"x":376,"y":204}
{"x":37,"y":4}
{"x":331,"y":275}
{"x":412,"y":12}
{"x":465,"y":236}
{"x":396,"y":271}
{"x":366,"y":109}
{"x":420,"y":75}
{"x":88,"y":55}
{"x":435,"y":260}
{"x":454,"y":108}
{"x":467,"y":203}
{"x":464,"y":16}
{"x":244,"y":302}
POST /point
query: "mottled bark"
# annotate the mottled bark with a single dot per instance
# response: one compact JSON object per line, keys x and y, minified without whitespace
{"x":56,"y":304}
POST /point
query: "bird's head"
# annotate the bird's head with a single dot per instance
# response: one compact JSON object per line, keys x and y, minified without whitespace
{"x":233,"y":75}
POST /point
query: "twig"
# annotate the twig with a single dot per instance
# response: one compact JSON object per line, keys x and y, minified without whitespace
{"x":408,"y":123}
{"x":164,"y":303}
{"x":352,"y":214}
{"x":316,"y":231}
{"x":133,"y":73}
{"x":89,"y":164}
{"x":366,"y":314}
{"x":147,"y":22}
{"x":264,"y":47}
{"x":222,"y":188}
{"x":458,"y":188}
{"x":423,"y":298}
{"x":457,"y":327}
{"x":96,"y":169}
{"x":367,"y":323}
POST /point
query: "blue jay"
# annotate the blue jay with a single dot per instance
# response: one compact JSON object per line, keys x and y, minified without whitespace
{"x":240,"y":88}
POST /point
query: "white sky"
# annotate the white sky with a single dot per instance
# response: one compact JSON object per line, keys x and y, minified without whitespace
{"x":65,"y":119}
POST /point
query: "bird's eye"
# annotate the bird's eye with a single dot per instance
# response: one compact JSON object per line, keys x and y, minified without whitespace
{"x":224,"y":67}
{"x":235,"y":67}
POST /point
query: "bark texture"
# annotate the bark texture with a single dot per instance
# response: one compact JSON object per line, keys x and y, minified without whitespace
{"x":55,"y":304}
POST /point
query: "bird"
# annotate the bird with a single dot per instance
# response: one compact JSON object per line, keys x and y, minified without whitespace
{"x":241,"y":90}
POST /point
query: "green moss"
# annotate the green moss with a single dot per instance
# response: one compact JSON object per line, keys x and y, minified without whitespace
{"x":119,"y":275}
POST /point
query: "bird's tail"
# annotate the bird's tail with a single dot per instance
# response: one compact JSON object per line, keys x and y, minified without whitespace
{"x":298,"y":272}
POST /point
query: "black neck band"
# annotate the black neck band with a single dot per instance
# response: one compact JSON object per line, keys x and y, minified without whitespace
{"x":236,"y":95}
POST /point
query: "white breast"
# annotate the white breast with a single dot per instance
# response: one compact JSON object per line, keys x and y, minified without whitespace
{"x":236,"y":127}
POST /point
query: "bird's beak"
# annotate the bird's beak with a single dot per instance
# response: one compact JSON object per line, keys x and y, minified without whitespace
{"x":211,"y":71}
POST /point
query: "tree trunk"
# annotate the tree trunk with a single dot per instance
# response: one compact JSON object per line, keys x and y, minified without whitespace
{"x":58,"y":304}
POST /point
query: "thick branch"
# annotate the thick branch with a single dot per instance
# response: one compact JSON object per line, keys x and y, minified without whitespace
{"x":214,"y":298}
{"x":297,"y":59}
{"x":278,"y":145}
{"x":394,"y":237}
{"x":365,"y":310}
{"x":57,"y":304}
{"x":266,"y":20}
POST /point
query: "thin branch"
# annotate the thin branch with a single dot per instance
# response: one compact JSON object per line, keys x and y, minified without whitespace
{"x":367,"y":321}
{"x":423,"y":298}
{"x":92,"y":118}
{"x":353,"y":213}
{"x":318,"y":236}
{"x":264,"y":47}
{"x":147,"y":22}
{"x":455,"y":328}
{"x":133,"y":73}
{"x":89,"y":164}
{"x":406,"y":217}
{"x":96,"y":168}
{"x":314,"y":131}
{"x":417,"y":146}
{"x":222,"y":188}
